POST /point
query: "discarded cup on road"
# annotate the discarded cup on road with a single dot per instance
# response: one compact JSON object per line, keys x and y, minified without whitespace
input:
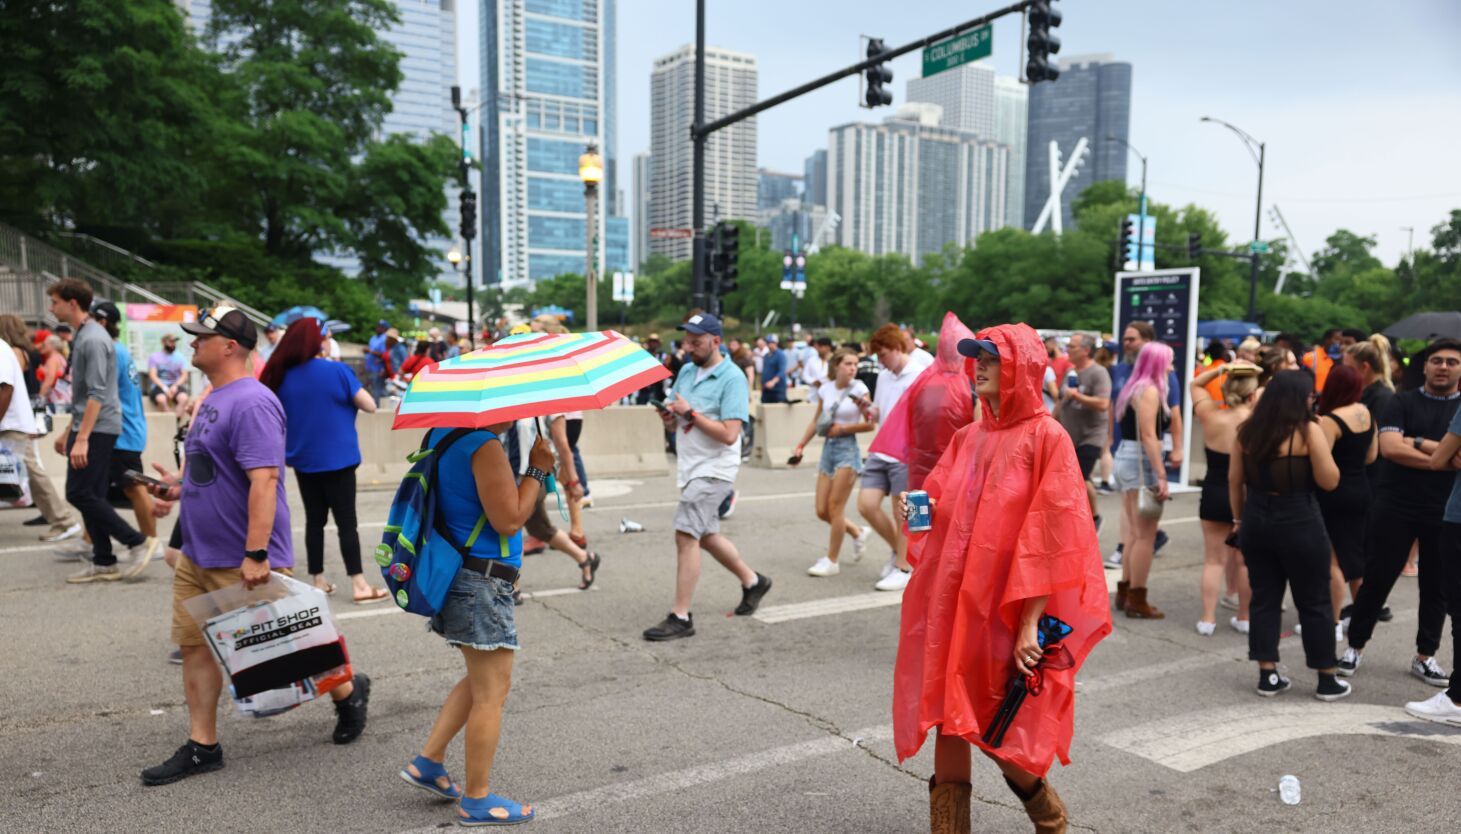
{"x":627,"y":526}
{"x":1288,"y":790}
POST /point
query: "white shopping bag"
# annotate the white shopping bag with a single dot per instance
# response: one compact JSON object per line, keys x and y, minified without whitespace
{"x":278,"y":636}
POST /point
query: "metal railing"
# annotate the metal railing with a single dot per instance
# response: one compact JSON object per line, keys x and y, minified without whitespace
{"x":100,"y":251}
{"x":26,"y":255}
{"x":202,"y":296}
{"x":24,"y":294}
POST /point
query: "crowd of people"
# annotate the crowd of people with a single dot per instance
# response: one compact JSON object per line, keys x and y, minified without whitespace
{"x":1329,"y":472}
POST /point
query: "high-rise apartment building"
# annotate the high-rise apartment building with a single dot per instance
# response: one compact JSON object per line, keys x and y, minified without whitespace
{"x":1011,"y":114}
{"x":548,"y":81}
{"x":911,"y":186}
{"x":426,"y":37}
{"x":730,"y":154}
{"x":641,"y":209}
{"x":1091,"y":99}
{"x":815,"y":178}
{"x":772,"y":187}
{"x":966,"y":95}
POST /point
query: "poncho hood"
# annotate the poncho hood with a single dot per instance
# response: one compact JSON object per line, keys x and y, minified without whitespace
{"x":1022,"y":360}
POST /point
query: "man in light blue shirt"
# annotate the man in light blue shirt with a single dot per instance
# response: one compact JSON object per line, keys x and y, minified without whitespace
{"x":375,"y":355}
{"x":707,"y":406}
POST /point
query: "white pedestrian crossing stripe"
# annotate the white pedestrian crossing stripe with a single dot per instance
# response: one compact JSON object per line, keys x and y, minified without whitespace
{"x":830,"y":605}
{"x":1194,"y":740}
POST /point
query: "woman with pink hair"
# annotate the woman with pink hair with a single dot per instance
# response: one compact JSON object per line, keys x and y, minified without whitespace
{"x":1143,"y":415}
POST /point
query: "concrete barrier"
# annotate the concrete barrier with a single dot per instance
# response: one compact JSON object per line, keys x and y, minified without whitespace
{"x":622,"y":441}
{"x":778,"y":428}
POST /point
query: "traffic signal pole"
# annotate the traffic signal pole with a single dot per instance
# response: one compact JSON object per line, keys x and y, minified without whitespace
{"x":700,"y":130}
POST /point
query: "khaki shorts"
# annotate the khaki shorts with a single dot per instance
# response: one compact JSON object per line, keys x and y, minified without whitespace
{"x":188,"y":581}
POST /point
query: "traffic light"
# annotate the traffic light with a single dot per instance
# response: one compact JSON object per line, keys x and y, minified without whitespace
{"x":1041,"y":44}
{"x":877,"y":76}
{"x":728,"y":236}
{"x":1124,"y":249}
{"x":1194,"y":246}
{"x":469,"y":214}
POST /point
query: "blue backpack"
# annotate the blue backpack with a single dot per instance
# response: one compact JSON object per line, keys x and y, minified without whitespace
{"x":416,"y":555}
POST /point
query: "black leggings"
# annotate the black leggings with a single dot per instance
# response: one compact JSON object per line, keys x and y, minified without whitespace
{"x":323,"y":494}
{"x":1284,"y":542}
{"x":1450,"y":559}
{"x":1391,"y":533}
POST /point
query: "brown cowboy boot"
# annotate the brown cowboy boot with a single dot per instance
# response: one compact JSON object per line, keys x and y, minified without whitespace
{"x":948,"y":807}
{"x":1137,"y":608}
{"x":1044,"y":807}
{"x":1121,"y":590}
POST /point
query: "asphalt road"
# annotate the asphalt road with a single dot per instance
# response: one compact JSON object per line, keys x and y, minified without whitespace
{"x":754,"y":725}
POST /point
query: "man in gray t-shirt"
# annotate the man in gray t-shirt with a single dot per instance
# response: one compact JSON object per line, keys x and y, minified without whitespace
{"x":96,"y":421}
{"x":1085,"y":407}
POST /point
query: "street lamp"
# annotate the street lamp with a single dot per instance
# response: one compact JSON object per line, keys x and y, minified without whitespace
{"x":454,"y":257}
{"x":1258,"y":156}
{"x":591,"y":172}
{"x":1141,"y":216}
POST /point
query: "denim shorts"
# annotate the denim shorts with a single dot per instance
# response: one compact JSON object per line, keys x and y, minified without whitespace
{"x":839,"y":452}
{"x":478,"y":613}
{"x":1132,"y":468}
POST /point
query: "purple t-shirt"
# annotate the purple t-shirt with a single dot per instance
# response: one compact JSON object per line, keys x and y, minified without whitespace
{"x":239,"y":427}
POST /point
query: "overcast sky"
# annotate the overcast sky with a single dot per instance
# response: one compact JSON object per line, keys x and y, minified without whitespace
{"x":1359,"y":102}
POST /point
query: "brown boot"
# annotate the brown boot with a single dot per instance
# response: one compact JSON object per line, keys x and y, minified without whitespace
{"x":1137,"y":608}
{"x":1044,"y":807}
{"x":1121,"y":590}
{"x":948,"y":807}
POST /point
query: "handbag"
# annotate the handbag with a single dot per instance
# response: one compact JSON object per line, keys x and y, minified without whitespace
{"x":824,"y":420}
{"x":1147,"y":504}
{"x":12,"y":475}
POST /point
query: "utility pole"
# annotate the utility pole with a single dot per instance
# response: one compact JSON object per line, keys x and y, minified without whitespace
{"x":1259,"y":156}
{"x":698,"y":136}
{"x":1141,"y":216}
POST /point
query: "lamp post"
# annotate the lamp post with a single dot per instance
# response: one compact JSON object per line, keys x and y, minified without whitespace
{"x":1141,"y":216}
{"x":591,"y":172}
{"x":1258,"y":156}
{"x":454,"y":257}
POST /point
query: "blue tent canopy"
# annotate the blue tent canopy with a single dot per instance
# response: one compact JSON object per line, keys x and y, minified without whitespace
{"x":554,"y":310}
{"x":1228,"y":329}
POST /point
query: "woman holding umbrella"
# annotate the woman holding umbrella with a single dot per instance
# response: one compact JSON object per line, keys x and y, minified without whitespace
{"x":1013,"y":545}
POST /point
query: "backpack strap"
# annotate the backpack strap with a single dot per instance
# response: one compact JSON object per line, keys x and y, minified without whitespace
{"x":438,"y":521}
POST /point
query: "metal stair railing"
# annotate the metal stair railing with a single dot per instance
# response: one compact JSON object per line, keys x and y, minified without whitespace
{"x":25,"y":254}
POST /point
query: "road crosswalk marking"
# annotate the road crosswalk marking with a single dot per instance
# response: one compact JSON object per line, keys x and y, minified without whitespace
{"x":827,"y":606}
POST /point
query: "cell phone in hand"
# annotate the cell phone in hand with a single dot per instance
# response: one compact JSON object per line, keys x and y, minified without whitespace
{"x":659,"y":404}
{"x":133,"y":476}
{"x":794,"y":460}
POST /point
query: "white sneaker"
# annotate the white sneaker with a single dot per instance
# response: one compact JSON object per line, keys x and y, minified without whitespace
{"x":60,"y":533}
{"x":1240,"y":626}
{"x":138,"y":557}
{"x":1113,"y":562}
{"x":888,"y":567}
{"x":859,"y":544}
{"x":586,"y":503}
{"x":897,"y":580}
{"x":824,"y":567}
{"x":1206,"y":629}
{"x":1229,"y":601}
{"x":1430,"y":671}
{"x":74,"y":551}
{"x":1439,"y":708}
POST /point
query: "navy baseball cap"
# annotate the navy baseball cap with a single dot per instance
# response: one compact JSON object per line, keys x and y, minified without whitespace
{"x":702,"y":323}
{"x":973,"y":347}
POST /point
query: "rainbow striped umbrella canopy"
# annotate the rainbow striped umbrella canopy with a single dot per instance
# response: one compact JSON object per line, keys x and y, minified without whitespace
{"x":531,"y":375}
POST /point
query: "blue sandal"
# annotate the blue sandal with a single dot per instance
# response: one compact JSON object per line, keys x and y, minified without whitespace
{"x":479,"y":811}
{"x":430,"y":772}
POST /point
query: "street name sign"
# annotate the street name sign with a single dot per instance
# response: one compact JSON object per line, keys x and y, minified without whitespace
{"x":958,"y":50}
{"x":661,"y":233}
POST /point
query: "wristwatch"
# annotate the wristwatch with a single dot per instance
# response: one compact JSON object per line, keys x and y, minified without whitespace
{"x":1417,"y":442}
{"x":257,"y":555}
{"x":539,"y":475}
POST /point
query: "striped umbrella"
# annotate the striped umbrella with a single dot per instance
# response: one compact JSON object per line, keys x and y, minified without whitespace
{"x":531,"y":375}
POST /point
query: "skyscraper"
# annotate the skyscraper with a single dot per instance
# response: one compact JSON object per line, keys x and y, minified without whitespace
{"x":730,"y":154}
{"x":966,"y":95}
{"x":911,"y":186}
{"x":815,"y":178}
{"x":641,"y":209}
{"x":1011,"y":115}
{"x":772,"y":187}
{"x":1091,"y":99}
{"x":548,"y":81}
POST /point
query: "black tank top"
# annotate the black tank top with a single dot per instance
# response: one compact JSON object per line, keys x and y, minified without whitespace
{"x":1128,"y":422}
{"x":1287,"y":475}
{"x":1351,"y":448}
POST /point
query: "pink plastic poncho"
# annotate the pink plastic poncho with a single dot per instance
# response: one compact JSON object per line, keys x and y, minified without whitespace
{"x":938,"y":403}
{"x":1012,"y":522}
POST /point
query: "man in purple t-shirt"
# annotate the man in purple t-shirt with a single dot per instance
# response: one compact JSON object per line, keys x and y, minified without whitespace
{"x":235,"y":524}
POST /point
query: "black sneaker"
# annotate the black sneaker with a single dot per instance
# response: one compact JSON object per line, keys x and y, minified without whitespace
{"x":1385,"y":615}
{"x":350,"y":713}
{"x":1332,"y":688}
{"x":190,"y":760}
{"x":1162,"y":539}
{"x":38,"y":521}
{"x":751,"y":597}
{"x":1270,"y":683}
{"x":673,"y":628}
{"x":1349,"y":663}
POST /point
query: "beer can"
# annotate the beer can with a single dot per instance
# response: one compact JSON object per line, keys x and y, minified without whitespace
{"x":920,"y":512}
